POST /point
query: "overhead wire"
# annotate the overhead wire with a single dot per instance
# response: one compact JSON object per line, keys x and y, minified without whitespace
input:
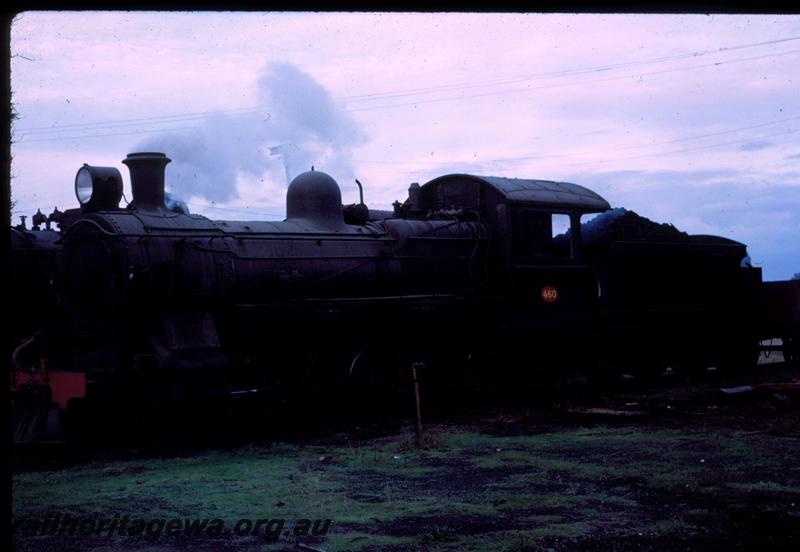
{"x":576,"y":83}
{"x":201,"y":115}
{"x":586,"y":162}
{"x":684,"y":150}
{"x":156,"y":118}
{"x":568,"y":72}
{"x":608,"y":160}
{"x":130,"y":133}
{"x":604,"y":150}
{"x":660,"y":143}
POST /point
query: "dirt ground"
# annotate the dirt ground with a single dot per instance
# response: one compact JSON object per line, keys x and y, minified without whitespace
{"x":675,"y":464}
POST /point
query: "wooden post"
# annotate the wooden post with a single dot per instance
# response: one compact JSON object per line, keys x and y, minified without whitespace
{"x":414,"y":365}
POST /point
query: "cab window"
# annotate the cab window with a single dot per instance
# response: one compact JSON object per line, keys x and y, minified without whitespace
{"x":540,"y":236}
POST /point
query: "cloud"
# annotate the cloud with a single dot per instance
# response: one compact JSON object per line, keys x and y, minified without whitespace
{"x":302,"y":127}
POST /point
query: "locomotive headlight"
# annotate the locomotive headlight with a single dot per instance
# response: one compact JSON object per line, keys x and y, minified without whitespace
{"x":98,"y":188}
{"x":83,"y":186}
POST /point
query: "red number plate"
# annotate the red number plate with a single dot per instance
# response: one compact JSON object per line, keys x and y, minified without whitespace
{"x":549,"y":294}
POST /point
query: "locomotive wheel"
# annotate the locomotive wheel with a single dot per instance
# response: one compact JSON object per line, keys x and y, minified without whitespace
{"x":377,"y":380}
{"x":741,"y":357}
{"x":645,"y":361}
{"x":691,"y":363}
{"x":74,"y":421}
{"x":30,"y":412}
{"x":690,"y":367}
{"x":648,"y":372}
{"x":604,"y":370}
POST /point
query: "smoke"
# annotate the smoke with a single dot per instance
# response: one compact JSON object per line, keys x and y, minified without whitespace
{"x":300,"y":126}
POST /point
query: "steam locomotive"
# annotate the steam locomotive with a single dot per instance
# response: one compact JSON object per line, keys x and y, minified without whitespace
{"x":145,"y":304}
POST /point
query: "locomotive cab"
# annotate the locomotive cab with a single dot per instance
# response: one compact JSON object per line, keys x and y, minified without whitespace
{"x":533,"y":222}
{"x":542,"y":293}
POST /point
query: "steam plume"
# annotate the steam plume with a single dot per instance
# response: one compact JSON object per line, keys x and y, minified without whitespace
{"x":300,"y":126}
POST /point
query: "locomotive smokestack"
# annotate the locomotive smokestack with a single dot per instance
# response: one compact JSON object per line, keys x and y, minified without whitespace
{"x":147,"y":179}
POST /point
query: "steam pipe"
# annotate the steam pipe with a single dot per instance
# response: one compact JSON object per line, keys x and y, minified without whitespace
{"x":360,"y":192}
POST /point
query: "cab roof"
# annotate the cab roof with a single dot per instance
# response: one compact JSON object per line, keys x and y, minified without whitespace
{"x":544,"y":193}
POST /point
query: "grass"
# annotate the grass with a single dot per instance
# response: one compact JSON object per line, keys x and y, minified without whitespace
{"x":465,"y":488}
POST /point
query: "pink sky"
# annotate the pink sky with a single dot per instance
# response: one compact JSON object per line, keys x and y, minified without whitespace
{"x":689,"y":119}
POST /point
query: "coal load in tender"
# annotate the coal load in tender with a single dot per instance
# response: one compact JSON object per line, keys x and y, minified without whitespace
{"x":621,"y":225}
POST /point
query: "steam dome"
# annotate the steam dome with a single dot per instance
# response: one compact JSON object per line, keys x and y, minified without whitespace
{"x":315,"y":197}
